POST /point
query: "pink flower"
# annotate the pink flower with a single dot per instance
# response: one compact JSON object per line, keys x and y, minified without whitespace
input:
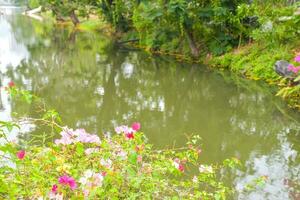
{"x":106,"y":163}
{"x":139,"y":158}
{"x":181,"y":168}
{"x":297,"y":58}
{"x":54,"y":188}
{"x":21,"y":154}
{"x":63,"y":180}
{"x":290,"y":67}
{"x":178,"y":165}
{"x":294,"y":69}
{"x":123,"y":129}
{"x":67,"y":180}
{"x":121,"y":154}
{"x":136,"y":126}
{"x":72,"y":183}
{"x":89,"y":151}
{"x":84,"y":137}
{"x":69,"y":136}
{"x":129,"y":135}
{"x":11,"y":84}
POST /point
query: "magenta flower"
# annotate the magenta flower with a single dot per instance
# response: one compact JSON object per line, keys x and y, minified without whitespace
{"x":67,"y":180}
{"x":181,"y":168}
{"x":21,"y":154}
{"x":290,"y":67}
{"x":72,"y":183}
{"x":136,"y":126}
{"x":294,"y":69}
{"x":129,"y":135}
{"x":177,"y":164}
{"x":54,"y":188}
{"x":63,"y":180}
{"x":297,"y":58}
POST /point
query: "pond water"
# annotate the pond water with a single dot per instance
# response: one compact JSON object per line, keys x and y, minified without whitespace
{"x":95,"y":84}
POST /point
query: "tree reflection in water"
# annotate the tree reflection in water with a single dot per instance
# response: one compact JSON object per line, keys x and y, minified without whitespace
{"x":95,"y":84}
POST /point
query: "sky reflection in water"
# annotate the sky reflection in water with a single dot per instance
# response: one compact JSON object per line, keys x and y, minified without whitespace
{"x":98,"y":85}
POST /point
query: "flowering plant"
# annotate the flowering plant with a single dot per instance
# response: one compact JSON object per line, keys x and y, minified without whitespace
{"x":292,"y":67}
{"x":121,"y":165}
{"x":80,"y":165}
{"x":291,"y":92}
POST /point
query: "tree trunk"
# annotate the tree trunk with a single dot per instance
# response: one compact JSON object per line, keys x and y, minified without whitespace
{"x":189,"y":35}
{"x":194,"y":50}
{"x":72,"y":36}
{"x":74,"y":18}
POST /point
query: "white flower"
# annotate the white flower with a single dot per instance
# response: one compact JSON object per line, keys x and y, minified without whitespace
{"x":83,"y":180}
{"x":124,"y":129}
{"x":176,"y":163}
{"x":54,"y":196}
{"x":89,"y":151}
{"x":88,"y":173}
{"x":206,"y":169}
{"x":195,"y":179}
{"x":98,"y":179}
{"x":106,"y":163}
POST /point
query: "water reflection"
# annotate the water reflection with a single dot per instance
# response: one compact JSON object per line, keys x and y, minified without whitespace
{"x":279,"y":167}
{"x":96,"y":84}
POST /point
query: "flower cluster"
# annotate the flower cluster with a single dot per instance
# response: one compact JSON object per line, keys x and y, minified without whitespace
{"x":292,"y":67}
{"x":69,"y":136}
{"x":90,"y":180}
{"x":67,"y":181}
{"x":79,"y":166}
{"x":128,"y":131}
{"x":178,"y":164}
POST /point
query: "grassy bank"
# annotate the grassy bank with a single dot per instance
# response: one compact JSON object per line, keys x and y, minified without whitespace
{"x":256,"y":61}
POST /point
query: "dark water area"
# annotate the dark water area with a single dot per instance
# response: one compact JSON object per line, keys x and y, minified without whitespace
{"x":95,"y":84}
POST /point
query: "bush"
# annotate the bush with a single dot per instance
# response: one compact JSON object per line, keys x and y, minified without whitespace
{"x":123,"y":166}
{"x":119,"y":165}
{"x":33,"y":4}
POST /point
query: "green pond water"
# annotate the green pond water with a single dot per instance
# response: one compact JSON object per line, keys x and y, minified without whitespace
{"x":96,"y":84}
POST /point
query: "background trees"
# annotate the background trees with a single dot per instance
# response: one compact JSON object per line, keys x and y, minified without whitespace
{"x":189,"y":27}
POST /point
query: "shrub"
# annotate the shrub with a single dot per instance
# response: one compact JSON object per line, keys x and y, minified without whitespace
{"x":122,"y":165}
{"x":119,"y":165}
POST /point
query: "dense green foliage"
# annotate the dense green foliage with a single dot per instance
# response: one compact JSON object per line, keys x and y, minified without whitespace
{"x":203,"y":28}
{"x":277,"y":39}
{"x":187,"y":26}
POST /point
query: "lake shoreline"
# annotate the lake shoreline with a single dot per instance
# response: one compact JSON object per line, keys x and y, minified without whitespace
{"x":254,"y":61}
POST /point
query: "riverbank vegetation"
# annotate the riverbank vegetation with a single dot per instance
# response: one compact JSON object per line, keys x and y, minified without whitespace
{"x":116,"y":165}
{"x":245,"y":37}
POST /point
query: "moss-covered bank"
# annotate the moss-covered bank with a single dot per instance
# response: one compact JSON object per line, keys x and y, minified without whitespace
{"x":256,"y":61}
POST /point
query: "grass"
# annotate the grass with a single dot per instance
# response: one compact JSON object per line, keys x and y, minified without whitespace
{"x":256,"y":61}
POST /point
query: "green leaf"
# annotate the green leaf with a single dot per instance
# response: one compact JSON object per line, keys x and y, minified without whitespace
{"x":79,"y":149}
{"x":297,"y":79}
{"x":132,"y":158}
